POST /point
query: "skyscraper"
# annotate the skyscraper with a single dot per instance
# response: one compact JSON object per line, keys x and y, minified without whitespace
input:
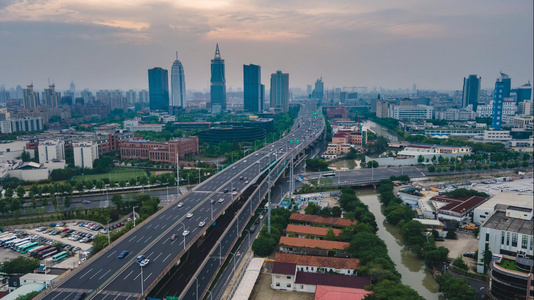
{"x":177,"y":84}
{"x":507,"y":83}
{"x":30,"y":98}
{"x":72,"y":88}
{"x":280,"y":91}
{"x":471,"y":91}
{"x":51,"y":97}
{"x":524,"y":92}
{"x":158,"y":89}
{"x":253,"y":90}
{"x":498,"y":100}
{"x":318,"y":92}
{"x":218,"y":83}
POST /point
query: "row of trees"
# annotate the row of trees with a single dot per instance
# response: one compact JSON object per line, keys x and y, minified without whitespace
{"x":265,"y":243}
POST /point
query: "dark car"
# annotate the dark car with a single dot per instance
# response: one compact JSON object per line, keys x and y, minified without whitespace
{"x":123,"y":254}
{"x":79,"y":296}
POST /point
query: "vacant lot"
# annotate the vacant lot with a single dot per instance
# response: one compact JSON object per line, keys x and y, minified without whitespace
{"x":116,"y":174}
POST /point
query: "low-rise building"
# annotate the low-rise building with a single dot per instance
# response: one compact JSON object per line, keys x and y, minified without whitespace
{"x":320,"y":264}
{"x":323,"y":292}
{"x":523,"y":121}
{"x":455,"y":209}
{"x":85,"y":154}
{"x":159,"y":151}
{"x":497,"y":136}
{"x":51,"y":150}
{"x":146,"y":127}
{"x":312,"y":220}
{"x":309,"y":232}
{"x":432,"y":225}
{"x":410,"y":112}
{"x":483,"y":212}
{"x":313,"y":247}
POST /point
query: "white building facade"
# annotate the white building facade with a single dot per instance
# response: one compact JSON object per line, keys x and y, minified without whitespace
{"x":85,"y":154}
{"x":51,"y":150}
{"x":410,"y":112}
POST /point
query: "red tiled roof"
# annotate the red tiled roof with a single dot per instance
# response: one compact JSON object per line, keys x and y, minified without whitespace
{"x":332,"y":280}
{"x":335,"y":293}
{"x":319,"y":231}
{"x":322,"y":220}
{"x":308,"y":243}
{"x":284,"y":268}
{"x":318,"y":261}
{"x":461,"y":205}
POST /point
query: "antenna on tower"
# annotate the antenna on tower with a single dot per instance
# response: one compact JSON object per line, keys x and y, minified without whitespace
{"x":217,"y":52}
{"x":176,"y":55}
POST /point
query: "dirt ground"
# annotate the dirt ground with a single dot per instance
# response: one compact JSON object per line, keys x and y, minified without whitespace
{"x":466,"y":242}
{"x":262,"y":290}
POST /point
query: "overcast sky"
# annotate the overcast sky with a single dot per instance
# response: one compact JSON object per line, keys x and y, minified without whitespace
{"x":110,"y":44}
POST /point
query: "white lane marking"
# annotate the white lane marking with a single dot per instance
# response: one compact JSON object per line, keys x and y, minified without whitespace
{"x":163,"y":227}
{"x":202,"y":209}
{"x":95,"y":274}
{"x":166,"y":257}
{"x":133,"y":237}
{"x":168,"y":217}
{"x":104,"y":274}
{"x":140,"y":239}
{"x":117,"y":296}
{"x":128,"y":275}
{"x":86,"y":273}
{"x":156,"y":227}
{"x":147,"y":276}
{"x":60,"y":294}
{"x":174,"y":241}
{"x":161,"y":217}
{"x":148,"y":239}
{"x":111,"y":254}
{"x":149,"y":226}
{"x":150,"y":254}
{"x":137,"y":277}
{"x":157,"y":257}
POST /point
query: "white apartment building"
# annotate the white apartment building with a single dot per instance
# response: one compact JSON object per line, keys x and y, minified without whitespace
{"x":497,"y":135}
{"x":51,"y":150}
{"x":85,"y":154}
{"x":507,"y":232}
{"x":410,"y":112}
{"x":523,"y":121}
{"x":456,"y":114}
{"x":525,"y":108}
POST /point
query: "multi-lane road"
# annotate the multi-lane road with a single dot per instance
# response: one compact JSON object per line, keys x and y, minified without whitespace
{"x":105,"y":276}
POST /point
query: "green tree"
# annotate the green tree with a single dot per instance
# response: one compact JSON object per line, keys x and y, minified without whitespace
{"x":390,"y":290}
{"x":20,"y":191}
{"x":117,"y":201}
{"x":336,"y":212}
{"x":67,"y":202}
{"x":263,"y":246}
{"x":15,"y":205}
{"x":435,"y":258}
{"x":19,"y":265}
{"x":455,"y":288}
{"x":451,"y":234}
{"x":312,"y":209}
{"x":460,"y":264}
{"x":25,"y":156}
{"x":316,"y":165}
{"x":372,"y":164}
{"x":330,"y":235}
{"x":122,"y":183}
{"x":412,"y":234}
{"x":420,"y":159}
{"x":28,"y":296}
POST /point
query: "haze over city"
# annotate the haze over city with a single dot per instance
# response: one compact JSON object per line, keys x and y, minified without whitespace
{"x":102,"y":44}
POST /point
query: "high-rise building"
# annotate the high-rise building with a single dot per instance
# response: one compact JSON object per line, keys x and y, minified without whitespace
{"x":143,"y":96}
{"x":280,"y":91}
{"x":51,"y":97}
{"x":218,"y":83}
{"x":131,"y":95}
{"x":51,"y":150}
{"x":507,"y":84}
{"x":177,"y":84}
{"x":498,"y":100}
{"x":72,"y":88}
{"x":253,"y":90}
{"x":30,"y":98}
{"x":158,"y":88}
{"x":524,"y":92}
{"x":471,"y":91}
{"x":318,"y":92}
{"x":85,"y":153}
{"x":308,"y":90}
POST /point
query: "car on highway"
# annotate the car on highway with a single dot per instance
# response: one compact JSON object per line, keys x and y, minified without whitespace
{"x":189,"y":215}
{"x":79,"y":296}
{"x":185,"y":233}
{"x":246,"y":181}
{"x":139,"y":258}
{"x":221,"y":200}
{"x":86,"y":202}
{"x":201,"y":224}
{"x":144,"y":262}
{"x":123,"y":254}
{"x":212,"y":201}
{"x":180,"y":204}
{"x":261,"y":217}
{"x":174,"y":236}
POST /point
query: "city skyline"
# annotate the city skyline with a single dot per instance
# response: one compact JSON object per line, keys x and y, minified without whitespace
{"x":389,"y":44}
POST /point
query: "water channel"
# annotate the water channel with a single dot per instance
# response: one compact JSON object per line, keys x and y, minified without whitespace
{"x":380,"y":130}
{"x":411,"y":268}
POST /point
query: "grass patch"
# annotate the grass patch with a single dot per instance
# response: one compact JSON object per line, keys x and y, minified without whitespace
{"x":510,"y":265}
{"x":116,"y":174}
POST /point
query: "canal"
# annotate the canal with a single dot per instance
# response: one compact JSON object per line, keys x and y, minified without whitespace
{"x":411,"y":268}
{"x":381,"y":130}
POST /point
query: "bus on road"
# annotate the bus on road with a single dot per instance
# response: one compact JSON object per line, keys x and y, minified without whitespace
{"x":60,"y":256}
{"x":330,"y":174}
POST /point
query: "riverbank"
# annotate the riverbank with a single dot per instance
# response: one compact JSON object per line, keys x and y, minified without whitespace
{"x":412,"y":269}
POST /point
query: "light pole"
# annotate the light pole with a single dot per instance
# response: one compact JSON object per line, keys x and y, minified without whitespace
{"x":182,"y":233}
{"x":177,"y":175}
{"x":233,"y":258}
{"x":198,"y":175}
{"x":142,"y":290}
{"x":109,"y":240}
{"x":133,"y":214}
{"x":211,"y":296}
{"x":220,"y":253}
{"x":211,"y":207}
{"x":198,"y":296}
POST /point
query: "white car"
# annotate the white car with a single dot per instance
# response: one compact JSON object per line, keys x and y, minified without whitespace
{"x":189,"y":215}
{"x":201,"y":224}
{"x":180,"y":204}
{"x":185,"y":233}
{"x":221,"y":200}
{"x":234,"y":193}
{"x":144,"y":262}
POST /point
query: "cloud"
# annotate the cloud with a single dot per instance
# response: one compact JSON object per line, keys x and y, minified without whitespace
{"x":252,"y":35}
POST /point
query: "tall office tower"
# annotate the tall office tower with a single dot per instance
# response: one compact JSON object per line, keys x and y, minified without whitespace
{"x":524,"y":92}
{"x":218,"y":83}
{"x":30,"y":98}
{"x":51,"y":97}
{"x":158,"y":89}
{"x":280,"y":91}
{"x":414,"y":89}
{"x":72,"y":88}
{"x":498,"y":99}
{"x":177,"y":84}
{"x":308,"y":90}
{"x":507,"y":83}
{"x":252,"y":88}
{"x":471,"y":91}
{"x":318,"y":92}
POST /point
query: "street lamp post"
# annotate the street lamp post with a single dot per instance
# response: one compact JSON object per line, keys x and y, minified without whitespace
{"x":196,"y":279}
{"x":181,"y":223}
{"x":109,"y":240}
{"x":220,"y":253}
{"x":211,"y":207}
{"x":211,"y":296}
{"x":142,"y":290}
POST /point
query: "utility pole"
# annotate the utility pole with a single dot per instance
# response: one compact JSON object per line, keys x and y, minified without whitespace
{"x":269,"y":204}
{"x":177,"y":175}
{"x":291,"y":180}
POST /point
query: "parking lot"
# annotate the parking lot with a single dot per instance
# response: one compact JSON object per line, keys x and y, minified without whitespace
{"x":494,"y":187}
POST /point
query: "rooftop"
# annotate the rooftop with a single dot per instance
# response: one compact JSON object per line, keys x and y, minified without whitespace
{"x":500,"y":221}
{"x":509,"y":199}
{"x":284,"y":268}
{"x":461,"y":205}
{"x":308,"y":243}
{"x":318,"y":261}
{"x":322,"y":220}
{"x":323,"y":292}
{"x":319,"y":231}
{"x":332,"y":280}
